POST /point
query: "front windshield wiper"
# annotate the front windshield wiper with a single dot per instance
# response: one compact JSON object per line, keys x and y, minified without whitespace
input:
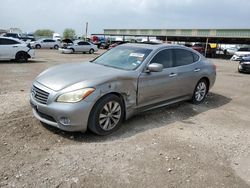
{"x":110,"y":66}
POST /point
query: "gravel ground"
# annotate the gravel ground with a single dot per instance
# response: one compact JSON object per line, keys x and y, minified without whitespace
{"x":182,"y":145}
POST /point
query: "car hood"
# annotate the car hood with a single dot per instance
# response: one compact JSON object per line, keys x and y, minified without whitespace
{"x":63,"y":76}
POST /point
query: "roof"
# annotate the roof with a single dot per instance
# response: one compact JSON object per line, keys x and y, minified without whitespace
{"x":236,"y":33}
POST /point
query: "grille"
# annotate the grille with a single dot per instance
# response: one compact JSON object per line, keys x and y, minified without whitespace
{"x":246,"y":66}
{"x":40,"y":95}
{"x":45,"y":116}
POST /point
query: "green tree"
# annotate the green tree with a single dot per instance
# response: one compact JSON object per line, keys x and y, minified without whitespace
{"x":69,"y":33}
{"x":44,"y":32}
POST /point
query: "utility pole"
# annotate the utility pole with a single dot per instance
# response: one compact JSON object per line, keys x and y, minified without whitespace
{"x":86,"y":31}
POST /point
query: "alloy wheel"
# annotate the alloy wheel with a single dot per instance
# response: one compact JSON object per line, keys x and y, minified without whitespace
{"x":110,"y":115}
{"x":201,"y":91}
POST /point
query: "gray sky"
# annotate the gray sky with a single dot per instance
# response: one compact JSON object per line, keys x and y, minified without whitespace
{"x":30,"y":15}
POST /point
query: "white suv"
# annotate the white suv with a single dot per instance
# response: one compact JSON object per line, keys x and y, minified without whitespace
{"x":11,"y":48}
{"x":45,"y":43}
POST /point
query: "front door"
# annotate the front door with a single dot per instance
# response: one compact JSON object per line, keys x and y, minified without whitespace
{"x":156,"y":87}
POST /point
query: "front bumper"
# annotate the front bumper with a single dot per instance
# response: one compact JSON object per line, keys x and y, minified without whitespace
{"x":65,"y":51}
{"x":31,"y":53}
{"x":53,"y":112}
{"x":244,"y":67}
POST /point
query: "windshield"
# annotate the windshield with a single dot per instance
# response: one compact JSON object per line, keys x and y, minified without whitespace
{"x":123,"y":57}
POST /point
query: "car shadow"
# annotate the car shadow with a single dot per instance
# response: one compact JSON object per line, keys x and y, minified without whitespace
{"x":15,"y":62}
{"x":150,"y":120}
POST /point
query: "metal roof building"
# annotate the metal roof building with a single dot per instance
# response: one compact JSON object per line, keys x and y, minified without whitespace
{"x":230,"y":36}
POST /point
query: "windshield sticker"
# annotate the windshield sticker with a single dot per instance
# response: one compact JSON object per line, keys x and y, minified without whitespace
{"x":137,"y":55}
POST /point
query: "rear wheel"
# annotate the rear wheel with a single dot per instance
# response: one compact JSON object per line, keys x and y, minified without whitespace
{"x":38,"y":46}
{"x":200,"y":91}
{"x":107,"y":115}
{"x":22,"y":57}
{"x":91,"y":51}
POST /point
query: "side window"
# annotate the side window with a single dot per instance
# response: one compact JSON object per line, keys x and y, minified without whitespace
{"x":80,"y":43}
{"x":164,"y":57}
{"x":8,"y":42}
{"x":86,"y":43}
{"x":196,"y":57}
{"x":45,"y":40}
{"x":183,"y":57}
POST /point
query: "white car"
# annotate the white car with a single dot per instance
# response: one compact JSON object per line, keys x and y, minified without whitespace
{"x":242,"y":52}
{"x":46,"y":43}
{"x":11,"y":48}
{"x":231,"y":50}
{"x":80,"y":46}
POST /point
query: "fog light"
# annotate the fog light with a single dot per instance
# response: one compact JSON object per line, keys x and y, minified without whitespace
{"x":64,"y":120}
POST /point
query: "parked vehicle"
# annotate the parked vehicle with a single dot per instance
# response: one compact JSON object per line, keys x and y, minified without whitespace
{"x":131,"y":78}
{"x":80,"y":46}
{"x":230,"y":51}
{"x":11,"y":48}
{"x":98,"y":40}
{"x":243,"y":51}
{"x":201,"y":48}
{"x":244,"y":65}
{"x":116,"y":43}
{"x":13,"y":35}
{"x":105,"y":45}
{"x":46,"y":43}
{"x":66,"y":42}
{"x":22,"y":37}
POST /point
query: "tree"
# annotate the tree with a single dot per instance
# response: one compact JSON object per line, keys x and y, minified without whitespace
{"x":44,"y":32}
{"x":69,"y":33}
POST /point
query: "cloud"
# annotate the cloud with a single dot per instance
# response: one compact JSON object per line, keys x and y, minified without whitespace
{"x":30,"y":15}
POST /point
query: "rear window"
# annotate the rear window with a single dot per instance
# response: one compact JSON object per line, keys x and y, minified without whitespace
{"x":183,"y":57}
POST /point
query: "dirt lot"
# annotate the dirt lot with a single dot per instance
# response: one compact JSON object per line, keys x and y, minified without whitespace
{"x":183,"y":145}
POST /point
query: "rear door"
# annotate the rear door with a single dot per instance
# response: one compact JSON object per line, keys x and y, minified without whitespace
{"x":155,"y":87}
{"x":188,"y":69}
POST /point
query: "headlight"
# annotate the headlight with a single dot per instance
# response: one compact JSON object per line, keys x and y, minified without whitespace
{"x":75,"y":96}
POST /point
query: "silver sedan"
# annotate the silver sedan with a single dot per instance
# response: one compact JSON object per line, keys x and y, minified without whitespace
{"x":131,"y":78}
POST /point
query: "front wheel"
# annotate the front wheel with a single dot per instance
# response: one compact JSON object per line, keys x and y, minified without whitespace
{"x":107,"y":115}
{"x":200,"y":92}
{"x":22,"y":57}
{"x":56,"y":47}
{"x":38,"y":46}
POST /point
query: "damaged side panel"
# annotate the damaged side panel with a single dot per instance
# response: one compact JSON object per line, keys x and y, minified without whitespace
{"x":125,"y":86}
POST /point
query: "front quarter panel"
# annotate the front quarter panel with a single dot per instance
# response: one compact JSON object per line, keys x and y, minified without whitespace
{"x":126,"y":86}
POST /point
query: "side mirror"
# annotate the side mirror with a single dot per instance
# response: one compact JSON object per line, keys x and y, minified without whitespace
{"x":155,"y":67}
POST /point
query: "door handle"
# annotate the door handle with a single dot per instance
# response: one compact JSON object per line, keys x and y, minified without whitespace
{"x":197,"y":70}
{"x":15,"y":46}
{"x":172,"y":75}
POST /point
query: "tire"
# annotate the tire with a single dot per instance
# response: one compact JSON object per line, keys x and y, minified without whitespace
{"x":200,"y":92}
{"x":38,"y":46}
{"x":91,"y":51}
{"x":106,"y":115}
{"x":22,"y":57}
{"x":73,"y":50}
{"x":56,"y":47}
